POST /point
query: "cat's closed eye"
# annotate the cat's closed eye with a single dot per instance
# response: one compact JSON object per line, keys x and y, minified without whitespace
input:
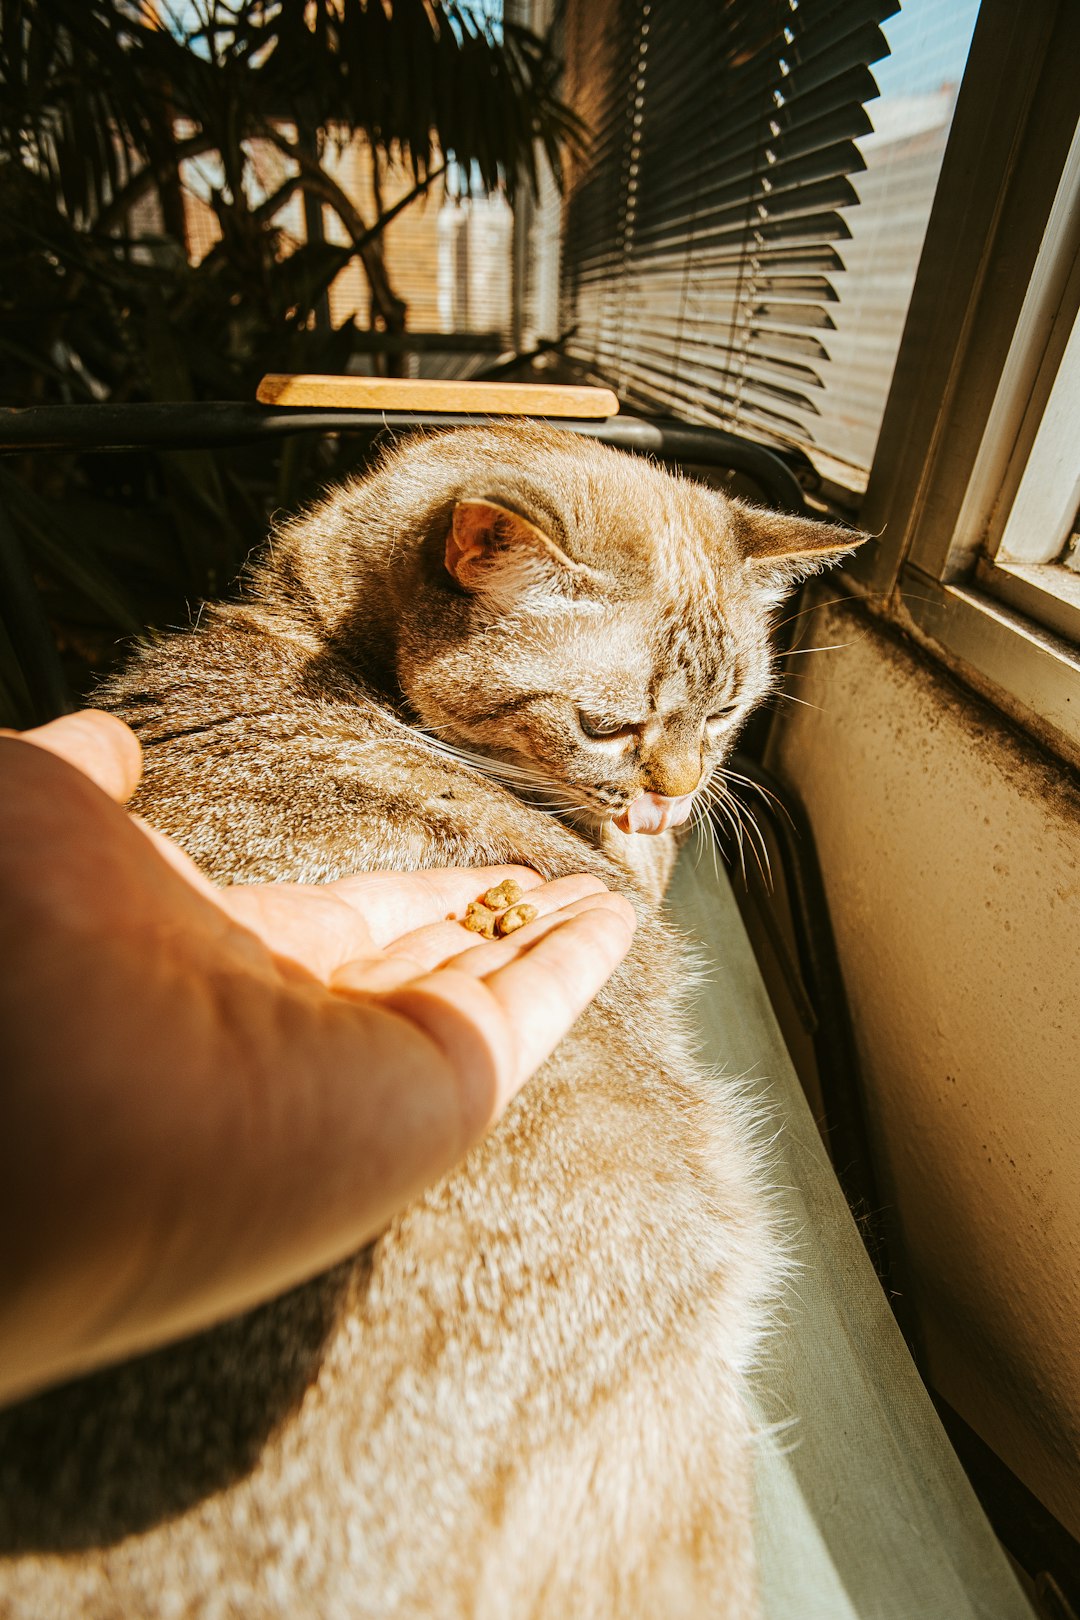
{"x":605,"y":730}
{"x":721,"y":716}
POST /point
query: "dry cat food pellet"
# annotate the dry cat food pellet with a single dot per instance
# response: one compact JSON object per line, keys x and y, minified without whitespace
{"x":485,"y":916}
{"x":515,"y":918}
{"x":478,"y":919}
{"x":506,"y":893}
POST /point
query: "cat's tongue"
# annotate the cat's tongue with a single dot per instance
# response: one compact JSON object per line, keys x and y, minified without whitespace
{"x":654,"y":813}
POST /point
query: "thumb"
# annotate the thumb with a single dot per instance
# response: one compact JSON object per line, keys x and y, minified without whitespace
{"x":98,"y":744}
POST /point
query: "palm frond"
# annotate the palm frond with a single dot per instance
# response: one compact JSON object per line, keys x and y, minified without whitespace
{"x":104,"y":107}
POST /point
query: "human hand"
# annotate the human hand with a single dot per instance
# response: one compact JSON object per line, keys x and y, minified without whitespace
{"x":212,"y":1094}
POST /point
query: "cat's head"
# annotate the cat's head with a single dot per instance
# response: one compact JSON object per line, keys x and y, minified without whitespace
{"x":596,"y":625}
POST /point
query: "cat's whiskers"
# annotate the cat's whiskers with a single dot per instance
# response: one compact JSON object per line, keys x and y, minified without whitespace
{"x":510,"y":775}
{"x":543,"y":792}
{"x":488,"y":764}
{"x":756,"y":840}
{"x":789,"y":697}
{"x":814,"y":607}
{"x":757,"y":787}
{"x":703,"y":833}
{"x":715,"y":798}
{"x":801,"y":652}
{"x":775,"y":698}
{"x":743,"y":823}
{"x":528,"y":781}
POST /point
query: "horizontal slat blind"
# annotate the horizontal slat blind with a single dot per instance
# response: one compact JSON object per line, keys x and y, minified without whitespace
{"x":598,"y":38}
{"x":699,"y":256}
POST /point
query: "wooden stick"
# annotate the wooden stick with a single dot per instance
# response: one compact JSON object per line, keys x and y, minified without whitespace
{"x":423,"y":394}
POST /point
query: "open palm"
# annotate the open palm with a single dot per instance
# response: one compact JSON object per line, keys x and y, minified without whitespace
{"x":213,"y":1093}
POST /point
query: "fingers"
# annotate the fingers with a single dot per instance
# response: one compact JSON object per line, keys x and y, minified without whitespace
{"x":496,"y":1030}
{"x":326,"y":928}
{"x":395,"y":903}
{"x":542,"y":992}
{"x":98,"y":744}
{"x":488,"y":956}
{"x":440,"y":942}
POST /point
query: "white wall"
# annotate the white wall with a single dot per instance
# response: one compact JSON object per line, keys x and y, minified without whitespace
{"x":951,"y":853}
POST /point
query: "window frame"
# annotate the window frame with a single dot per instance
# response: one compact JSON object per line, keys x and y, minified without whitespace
{"x":971,"y":405}
{"x":1027,"y":535}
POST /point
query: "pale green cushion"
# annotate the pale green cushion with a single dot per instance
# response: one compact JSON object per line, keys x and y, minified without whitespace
{"x":864,"y":1510}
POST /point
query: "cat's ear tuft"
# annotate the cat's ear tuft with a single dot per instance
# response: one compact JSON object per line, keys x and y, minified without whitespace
{"x":786,"y":549}
{"x":493,"y":550}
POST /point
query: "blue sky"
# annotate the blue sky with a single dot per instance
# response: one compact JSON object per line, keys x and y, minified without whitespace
{"x":929,"y":40}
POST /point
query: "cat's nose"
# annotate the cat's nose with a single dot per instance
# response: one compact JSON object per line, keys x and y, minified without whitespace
{"x":672,"y":776}
{"x":654,"y":813}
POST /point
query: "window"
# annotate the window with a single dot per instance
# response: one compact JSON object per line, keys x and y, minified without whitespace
{"x":704,"y":235}
{"x":1035,"y":564}
{"x":976,"y":478}
{"x":714,"y":269}
{"x":741,"y":242}
{"x":917,"y":82}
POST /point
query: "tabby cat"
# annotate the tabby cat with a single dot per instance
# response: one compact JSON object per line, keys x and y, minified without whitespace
{"x":505,"y":644}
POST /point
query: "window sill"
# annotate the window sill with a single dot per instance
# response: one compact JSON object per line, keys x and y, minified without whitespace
{"x":1028,"y":671}
{"x":1046,"y":592}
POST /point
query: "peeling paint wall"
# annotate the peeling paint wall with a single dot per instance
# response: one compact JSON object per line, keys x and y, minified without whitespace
{"x":951,"y":855}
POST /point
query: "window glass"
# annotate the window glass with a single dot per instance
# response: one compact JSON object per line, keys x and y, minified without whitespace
{"x":929,"y":42}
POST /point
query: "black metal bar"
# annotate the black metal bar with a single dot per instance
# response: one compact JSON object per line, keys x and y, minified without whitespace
{"x":509,"y":363}
{"x":182,"y":426}
{"x":704,"y":447}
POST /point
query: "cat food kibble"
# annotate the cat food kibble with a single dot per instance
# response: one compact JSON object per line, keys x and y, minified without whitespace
{"x":479,"y":919}
{"x":486,"y":916}
{"x":506,"y":893}
{"x":515,"y":918}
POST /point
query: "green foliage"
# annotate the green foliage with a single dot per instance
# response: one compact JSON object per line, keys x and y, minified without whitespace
{"x":90,"y":89}
{"x":101,"y":102}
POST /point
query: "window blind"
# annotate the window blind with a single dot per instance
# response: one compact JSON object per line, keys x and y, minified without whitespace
{"x":699,"y":249}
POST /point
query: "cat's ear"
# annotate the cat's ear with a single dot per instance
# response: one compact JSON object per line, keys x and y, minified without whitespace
{"x":493,"y":550}
{"x":783,"y":549}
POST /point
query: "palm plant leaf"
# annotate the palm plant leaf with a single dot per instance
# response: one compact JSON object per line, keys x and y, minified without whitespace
{"x":418,"y":78}
{"x":63,"y":551}
{"x":102,"y":103}
{"x":75,"y":102}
